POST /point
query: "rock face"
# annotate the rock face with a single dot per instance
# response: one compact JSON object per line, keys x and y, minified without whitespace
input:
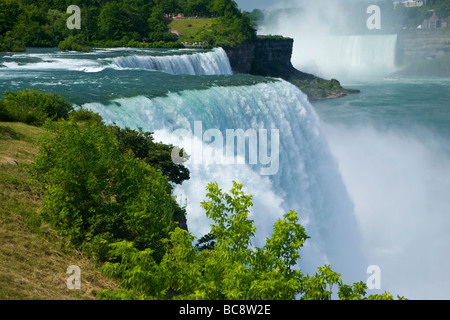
{"x":424,"y":52}
{"x":422,"y":44}
{"x":266,"y":57}
{"x":241,"y":58}
{"x":271,"y":57}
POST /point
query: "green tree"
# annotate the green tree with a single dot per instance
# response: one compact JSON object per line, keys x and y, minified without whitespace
{"x":74,"y":43}
{"x":232,"y":268}
{"x":155,"y":21}
{"x":56,"y":27}
{"x":29,"y":27}
{"x":231,"y":30}
{"x":256,"y":15}
{"x":97,"y":194}
{"x":9,"y":12}
{"x":115,"y":23}
{"x":169,"y":6}
{"x":9,"y":43}
{"x":443,"y":8}
{"x":158,"y":155}
{"x":137,"y":12}
{"x":4,"y":114}
{"x":112,"y":22}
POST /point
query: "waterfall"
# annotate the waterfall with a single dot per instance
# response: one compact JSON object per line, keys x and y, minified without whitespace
{"x":214,"y":62}
{"x":346,"y":57}
{"x":307,"y":181}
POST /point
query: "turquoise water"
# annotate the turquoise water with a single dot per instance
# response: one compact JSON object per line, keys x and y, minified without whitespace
{"x":369,"y":173}
{"x":394,"y":103}
{"x":97,"y":76}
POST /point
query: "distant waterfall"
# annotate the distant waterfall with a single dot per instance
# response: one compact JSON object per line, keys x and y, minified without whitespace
{"x":214,"y":62}
{"x":346,"y":57}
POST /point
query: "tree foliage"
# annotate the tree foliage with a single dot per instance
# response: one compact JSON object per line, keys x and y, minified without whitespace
{"x":36,"y":23}
{"x":232,"y":268}
{"x":411,"y":18}
{"x":35,"y":107}
{"x":97,"y":193}
{"x":102,"y":183}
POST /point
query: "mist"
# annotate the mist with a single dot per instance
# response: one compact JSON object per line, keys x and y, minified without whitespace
{"x":332,"y":40}
{"x":399,"y":182}
{"x":397,"y":178}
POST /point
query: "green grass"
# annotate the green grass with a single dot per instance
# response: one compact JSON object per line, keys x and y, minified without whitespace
{"x":189,"y":27}
{"x":33,"y":258}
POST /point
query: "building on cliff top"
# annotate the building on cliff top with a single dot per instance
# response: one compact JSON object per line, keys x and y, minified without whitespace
{"x":435,"y":22}
{"x":445,"y":23}
{"x":409,"y":3}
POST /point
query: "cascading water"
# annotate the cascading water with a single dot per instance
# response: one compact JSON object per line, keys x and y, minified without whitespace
{"x":214,"y":62}
{"x":192,"y":62}
{"x":346,"y":57}
{"x":308,"y":178}
{"x":331,"y":42}
{"x":390,"y":141}
{"x":390,"y":145}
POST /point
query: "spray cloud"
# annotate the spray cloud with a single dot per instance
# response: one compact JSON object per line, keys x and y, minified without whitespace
{"x":344,"y":40}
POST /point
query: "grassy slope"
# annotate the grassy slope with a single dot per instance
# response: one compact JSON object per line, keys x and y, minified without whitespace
{"x":188,"y":27}
{"x":33,"y":259}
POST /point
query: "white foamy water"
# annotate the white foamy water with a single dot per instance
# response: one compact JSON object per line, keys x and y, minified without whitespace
{"x":207,"y":63}
{"x":308,"y":179}
{"x":214,"y":62}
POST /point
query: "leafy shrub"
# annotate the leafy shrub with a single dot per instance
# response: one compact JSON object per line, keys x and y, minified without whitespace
{"x":133,"y":44}
{"x":9,"y":44}
{"x":96,"y":194}
{"x":72,"y":43}
{"x":232,"y":269}
{"x":82,"y":115}
{"x":4,"y":114}
{"x":35,"y":107}
{"x":272,"y":37}
{"x":9,"y":133}
{"x":161,"y":36}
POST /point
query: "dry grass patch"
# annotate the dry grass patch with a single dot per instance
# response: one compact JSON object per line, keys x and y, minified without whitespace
{"x":33,"y":258}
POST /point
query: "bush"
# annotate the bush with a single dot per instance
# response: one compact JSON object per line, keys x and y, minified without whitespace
{"x":232,"y":269}
{"x":9,"y":44}
{"x":4,"y":114}
{"x":74,"y":44}
{"x":158,"y":155}
{"x":96,"y":194}
{"x":161,"y":36}
{"x":84,"y":115}
{"x":35,"y":107}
